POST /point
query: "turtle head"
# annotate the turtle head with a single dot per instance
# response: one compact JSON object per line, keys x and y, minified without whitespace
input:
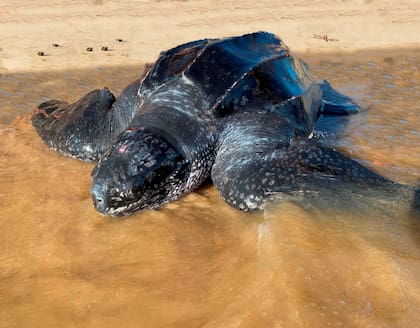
{"x":141,"y":170}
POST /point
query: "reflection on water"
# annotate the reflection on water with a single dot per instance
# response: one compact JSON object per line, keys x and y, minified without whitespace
{"x":197,"y":262}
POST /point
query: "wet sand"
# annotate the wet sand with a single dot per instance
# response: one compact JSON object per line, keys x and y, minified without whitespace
{"x":197,"y":262}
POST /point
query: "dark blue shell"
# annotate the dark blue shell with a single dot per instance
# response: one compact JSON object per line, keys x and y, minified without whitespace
{"x":232,"y":71}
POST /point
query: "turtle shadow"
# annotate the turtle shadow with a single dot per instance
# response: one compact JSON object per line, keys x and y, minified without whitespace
{"x":414,"y":218}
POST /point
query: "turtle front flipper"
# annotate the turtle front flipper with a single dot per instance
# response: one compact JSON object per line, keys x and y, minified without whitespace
{"x":85,"y":128}
{"x":253,"y":166}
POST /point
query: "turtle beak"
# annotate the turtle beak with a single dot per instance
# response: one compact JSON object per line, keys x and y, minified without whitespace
{"x":99,"y":199}
{"x":140,"y":171}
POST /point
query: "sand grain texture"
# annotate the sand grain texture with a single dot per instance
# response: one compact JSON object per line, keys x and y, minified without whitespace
{"x":149,"y":27}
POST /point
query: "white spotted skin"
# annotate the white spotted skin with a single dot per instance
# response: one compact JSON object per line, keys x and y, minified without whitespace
{"x":245,"y":144}
{"x":180,"y":111}
{"x":171,"y":136}
{"x":263,"y":157}
{"x":86,"y":128}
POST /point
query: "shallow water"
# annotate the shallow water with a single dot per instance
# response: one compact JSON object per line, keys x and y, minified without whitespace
{"x":198,"y":262}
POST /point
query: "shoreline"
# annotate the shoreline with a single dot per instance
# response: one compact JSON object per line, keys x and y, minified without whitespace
{"x":49,"y":62}
{"x":59,"y":60}
{"x":54,"y":81}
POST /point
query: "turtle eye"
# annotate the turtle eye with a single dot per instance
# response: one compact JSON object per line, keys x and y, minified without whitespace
{"x":153,"y":179}
{"x":160,"y":174}
{"x":94,"y":171}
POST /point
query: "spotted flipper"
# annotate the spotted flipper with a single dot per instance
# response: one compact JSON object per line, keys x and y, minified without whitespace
{"x":252,"y":167}
{"x":85,"y":128}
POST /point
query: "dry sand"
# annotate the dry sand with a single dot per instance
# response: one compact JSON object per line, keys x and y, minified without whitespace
{"x":27,"y":27}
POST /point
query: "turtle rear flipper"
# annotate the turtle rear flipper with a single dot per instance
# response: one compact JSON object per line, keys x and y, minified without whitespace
{"x":85,"y":128}
{"x":335,"y":103}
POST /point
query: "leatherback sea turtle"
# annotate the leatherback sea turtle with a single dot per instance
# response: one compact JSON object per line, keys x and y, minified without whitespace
{"x":241,"y":109}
